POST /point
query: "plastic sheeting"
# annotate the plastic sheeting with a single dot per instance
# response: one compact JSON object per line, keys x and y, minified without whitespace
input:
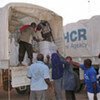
{"x":82,"y":39}
{"x":47,"y":48}
{"x":12,"y":16}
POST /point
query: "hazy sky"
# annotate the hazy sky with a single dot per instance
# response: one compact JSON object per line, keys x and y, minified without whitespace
{"x":70,"y":10}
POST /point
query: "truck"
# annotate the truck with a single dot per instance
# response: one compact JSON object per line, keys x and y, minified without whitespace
{"x":79,"y":40}
{"x":12,"y":17}
{"x":82,"y":41}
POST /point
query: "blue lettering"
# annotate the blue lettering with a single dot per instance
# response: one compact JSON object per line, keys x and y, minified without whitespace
{"x":75,"y":35}
{"x":67,"y":36}
{"x":82,"y":34}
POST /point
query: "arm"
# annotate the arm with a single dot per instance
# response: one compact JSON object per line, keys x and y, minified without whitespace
{"x":92,"y":76}
{"x":29,"y":73}
{"x":95,"y":90}
{"x":76,"y":64}
{"x":47,"y":80}
{"x":94,"y":87}
{"x":51,"y":32}
{"x":47,"y":61}
{"x":61,"y":58}
{"x":47,"y":76}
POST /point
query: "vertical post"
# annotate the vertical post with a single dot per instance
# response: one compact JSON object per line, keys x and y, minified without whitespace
{"x":9,"y":80}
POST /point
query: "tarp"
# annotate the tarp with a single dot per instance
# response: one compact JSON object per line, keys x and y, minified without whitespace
{"x":15,"y":15}
{"x":82,"y":39}
{"x":3,"y":34}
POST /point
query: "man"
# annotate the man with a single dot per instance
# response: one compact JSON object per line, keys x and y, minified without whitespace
{"x":57,"y":75}
{"x":93,"y":91}
{"x":46,"y":30}
{"x":70,"y":79}
{"x":39,"y":75}
{"x":98,"y":75}
{"x":25,"y":39}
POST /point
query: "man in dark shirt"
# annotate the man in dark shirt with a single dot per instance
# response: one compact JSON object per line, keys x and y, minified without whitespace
{"x":26,"y":34}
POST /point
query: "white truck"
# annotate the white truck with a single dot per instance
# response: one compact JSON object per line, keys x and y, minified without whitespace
{"x":12,"y":17}
{"x":82,"y":40}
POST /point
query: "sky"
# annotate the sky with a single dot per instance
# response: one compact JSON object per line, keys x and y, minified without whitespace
{"x":70,"y":10}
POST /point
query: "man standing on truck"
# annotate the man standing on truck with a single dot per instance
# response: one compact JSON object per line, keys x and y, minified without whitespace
{"x":25,"y":39}
{"x":46,"y":30}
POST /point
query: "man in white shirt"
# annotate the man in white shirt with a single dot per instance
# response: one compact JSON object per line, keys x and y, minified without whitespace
{"x":39,"y":75}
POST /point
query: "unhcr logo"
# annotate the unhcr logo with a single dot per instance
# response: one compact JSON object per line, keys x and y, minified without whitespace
{"x":76,"y":39}
{"x":73,"y":36}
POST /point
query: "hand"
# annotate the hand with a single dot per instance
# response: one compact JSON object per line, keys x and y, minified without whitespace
{"x":50,"y":87}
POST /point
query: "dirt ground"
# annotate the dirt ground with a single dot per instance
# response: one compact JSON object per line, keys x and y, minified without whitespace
{"x":13,"y":95}
{"x":79,"y":96}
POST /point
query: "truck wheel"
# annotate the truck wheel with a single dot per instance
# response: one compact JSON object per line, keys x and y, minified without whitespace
{"x":22,"y":89}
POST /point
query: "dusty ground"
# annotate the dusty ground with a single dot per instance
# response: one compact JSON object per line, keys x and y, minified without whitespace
{"x":79,"y":96}
{"x":50,"y":95}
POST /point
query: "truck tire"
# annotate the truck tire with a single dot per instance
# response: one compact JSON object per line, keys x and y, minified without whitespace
{"x":22,"y":89}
